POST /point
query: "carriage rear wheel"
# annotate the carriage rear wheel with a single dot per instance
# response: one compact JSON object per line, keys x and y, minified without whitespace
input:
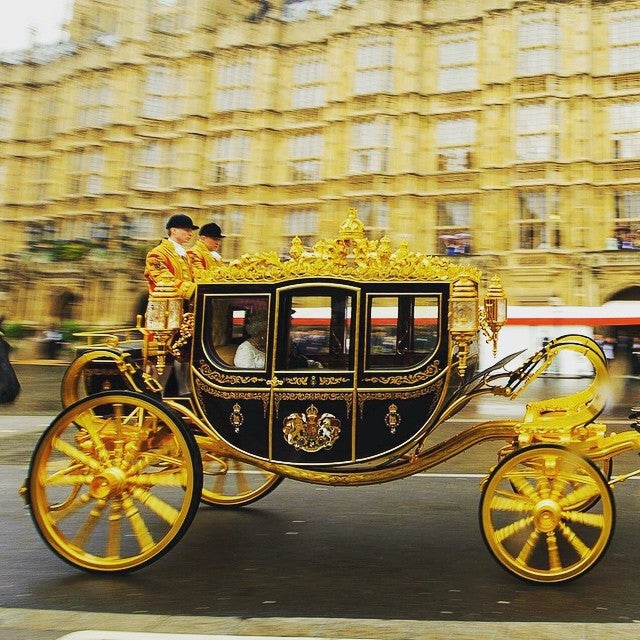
{"x":532,"y":514}
{"x":232,"y":483}
{"x":114,"y":482}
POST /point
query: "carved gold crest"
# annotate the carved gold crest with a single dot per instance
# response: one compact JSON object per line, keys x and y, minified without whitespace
{"x":310,"y":432}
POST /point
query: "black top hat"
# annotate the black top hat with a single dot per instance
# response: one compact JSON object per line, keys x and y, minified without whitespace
{"x":211,"y":230}
{"x":180,"y":221}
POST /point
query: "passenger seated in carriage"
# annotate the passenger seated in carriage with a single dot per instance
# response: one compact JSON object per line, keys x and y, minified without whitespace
{"x":250,"y":354}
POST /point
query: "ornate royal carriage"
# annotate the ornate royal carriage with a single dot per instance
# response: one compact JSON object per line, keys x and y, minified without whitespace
{"x":368,"y":349}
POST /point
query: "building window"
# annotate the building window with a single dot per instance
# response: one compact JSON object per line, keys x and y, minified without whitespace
{"x":371,"y":141}
{"x":625,"y":129}
{"x":229,"y":159}
{"x":167,"y":16}
{"x":164,"y":91}
{"x":233,"y":228}
{"x":8,"y":113}
{"x":141,"y":227}
{"x":538,"y":43}
{"x":100,"y":232}
{"x":235,"y":84}
{"x":455,"y":140}
{"x":538,"y":222}
{"x":309,"y":82}
{"x":86,"y":171}
{"x":293,"y":10}
{"x":305,"y":157}
{"x":627,"y":220}
{"x":374,"y":66}
{"x":39,"y":179}
{"x":537,"y":132}
{"x":624,"y":41}
{"x":156,"y":165}
{"x":453,"y":228}
{"x":374,"y":214}
{"x":457,"y":62}
{"x":303,"y":224}
{"x":93,"y":105}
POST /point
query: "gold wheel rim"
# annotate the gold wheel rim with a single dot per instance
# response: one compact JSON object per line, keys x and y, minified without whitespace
{"x":112,"y":483}
{"x":533,"y":519}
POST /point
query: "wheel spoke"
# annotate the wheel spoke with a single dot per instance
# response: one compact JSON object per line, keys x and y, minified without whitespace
{"x":528,"y":547}
{"x":75,"y":454}
{"x":596,"y":520}
{"x":555,"y":563}
{"x":168,"y":513}
{"x":574,"y":540}
{"x":91,"y":522}
{"x":511,"y":502}
{"x":513,"y":528}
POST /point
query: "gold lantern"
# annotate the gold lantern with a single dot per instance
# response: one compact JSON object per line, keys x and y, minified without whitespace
{"x":163,"y":318}
{"x":463,"y":317}
{"x":494,"y":314}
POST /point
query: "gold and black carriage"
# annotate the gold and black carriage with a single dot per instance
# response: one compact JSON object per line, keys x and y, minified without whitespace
{"x":364,"y":350}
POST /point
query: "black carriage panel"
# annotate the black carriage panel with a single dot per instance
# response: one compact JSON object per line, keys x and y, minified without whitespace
{"x":314,"y":372}
{"x":403,"y":364}
{"x":232,"y":392}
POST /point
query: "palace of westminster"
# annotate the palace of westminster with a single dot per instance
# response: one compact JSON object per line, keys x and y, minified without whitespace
{"x":503,"y":133}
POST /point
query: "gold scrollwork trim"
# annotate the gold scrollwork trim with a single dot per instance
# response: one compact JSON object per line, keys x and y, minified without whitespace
{"x":431,"y":371}
{"x":436,"y":387}
{"x":297,"y":380}
{"x":202,"y":387}
{"x":347,"y":398}
{"x":217,"y":376}
{"x":332,"y":380}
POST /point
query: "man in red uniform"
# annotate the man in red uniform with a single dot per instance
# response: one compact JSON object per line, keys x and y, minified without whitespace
{"x":169,"y":259}
{"x":204,"y":253}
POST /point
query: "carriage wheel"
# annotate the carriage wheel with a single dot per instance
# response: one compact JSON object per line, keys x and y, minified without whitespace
{"x":77,"y":384}
{"x":231,"y":483}
{"x":114,"y":482}
{"x":532,"y":514}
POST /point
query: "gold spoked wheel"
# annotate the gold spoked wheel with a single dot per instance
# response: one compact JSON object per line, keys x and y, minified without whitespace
{"x":231,"y":483}
{"x":114,"y":482}
{"x":532,"y":514}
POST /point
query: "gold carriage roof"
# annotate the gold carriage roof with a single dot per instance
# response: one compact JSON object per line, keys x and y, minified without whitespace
{"x":349,"y":255}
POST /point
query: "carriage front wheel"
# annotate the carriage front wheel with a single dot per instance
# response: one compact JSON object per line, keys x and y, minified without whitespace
{"x":114,"y":482}
{"x":532,"y":514}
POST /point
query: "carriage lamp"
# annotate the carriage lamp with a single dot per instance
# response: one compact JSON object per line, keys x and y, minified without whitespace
{"x":463,"y":317}
{"x":494,"y":314}
{"x":163,"y":318}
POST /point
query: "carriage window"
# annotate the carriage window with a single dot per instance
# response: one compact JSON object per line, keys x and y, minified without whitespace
{"x":233,"y":321}
{"x":317,"y":332}
{"x":402,"y":330}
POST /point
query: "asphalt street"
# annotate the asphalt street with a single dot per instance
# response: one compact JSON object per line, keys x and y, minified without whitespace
{"x":402,"y":560}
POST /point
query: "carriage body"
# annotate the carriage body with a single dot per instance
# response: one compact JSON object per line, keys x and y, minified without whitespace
{"x":366,"y":351}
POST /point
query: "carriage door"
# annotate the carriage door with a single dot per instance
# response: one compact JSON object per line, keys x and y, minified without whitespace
{"x":313,"y":387}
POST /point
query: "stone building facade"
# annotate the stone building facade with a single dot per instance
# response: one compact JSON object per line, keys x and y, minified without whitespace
{"x":503,"y":132}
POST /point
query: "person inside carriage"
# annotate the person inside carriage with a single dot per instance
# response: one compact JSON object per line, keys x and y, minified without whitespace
{"x":250,"y":354}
